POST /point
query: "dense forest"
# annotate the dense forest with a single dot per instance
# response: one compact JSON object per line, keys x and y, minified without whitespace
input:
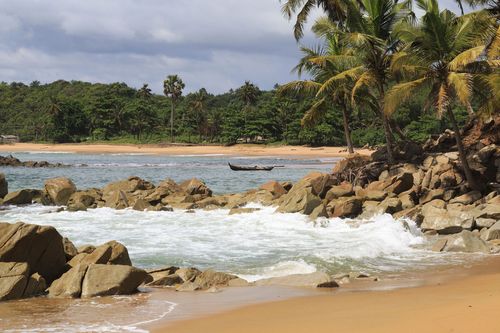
{"x":377,"y":75}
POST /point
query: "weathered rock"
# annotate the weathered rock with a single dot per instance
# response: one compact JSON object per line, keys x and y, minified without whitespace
{"x":466,"y":241}
{"x":276,"y":189}
{"x":69,"y":249}
{"x":484,"y":223}
{"x":4,"y":186}
{"x":82,"y":200}
{"x":302,"y":200}
{"x":142,"y":205}
{"x":86,"y":249}
{"x":36,"y":286}
{"x":210,"y":278}
{"x":467,"y":198}
{"x":188,"y":286}
{"x":69,"y":285}
{"x":119,"y":254}
{"x":119,"y":194}
{"x":493,"y":232}
{"x":345,"y":189}
{"x":60,"y":190}
{"x":429,"y":195}
{"x":390,"y":206}
{"x":372,"y":195}
{"x":22,"y":197}
{"x":166,"y":281}
{"x":100,"y":255}
{"x":39,"y":246}
{"x":13,"y":280}
{"x":439,"y":245}
{"x":107,"y":280}
{"x":195,"y":186}
{"x":345,"y":207}
{"x":446,"y":221}
{"x":450,"y":178}
{"x":188,"y":274}
{"x":319,"y":211}
{"x":238,"y":282}
{"x":316,"y":279}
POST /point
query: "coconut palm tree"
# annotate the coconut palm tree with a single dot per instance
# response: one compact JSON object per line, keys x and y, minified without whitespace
{"x":198,"y":107}
{"x":492,"y":5}
{"x":323,"y":64}
{"x":448,"y":56}
{"x":172,"y":88}
{"x":144,"y":92}
{"x":248,"y":93}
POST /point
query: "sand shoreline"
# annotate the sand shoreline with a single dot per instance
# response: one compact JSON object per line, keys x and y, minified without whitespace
{"x":458,"y":300}
{"x":236,"y":150}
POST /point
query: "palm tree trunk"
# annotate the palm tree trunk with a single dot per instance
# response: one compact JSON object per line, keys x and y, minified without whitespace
{"x":172,"y":122}
{"x":387,"y":126}
{"x":347,"y":132}
{"x":471,"y":180}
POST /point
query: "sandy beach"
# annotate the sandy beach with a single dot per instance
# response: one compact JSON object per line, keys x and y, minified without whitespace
{"x":465,"y":303}
{"x":236,"y":150}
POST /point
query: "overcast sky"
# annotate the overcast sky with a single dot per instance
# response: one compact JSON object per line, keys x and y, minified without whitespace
{"x":217,"y":44}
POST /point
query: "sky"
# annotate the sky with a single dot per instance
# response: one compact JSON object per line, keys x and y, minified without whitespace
{"x":216,"y":44}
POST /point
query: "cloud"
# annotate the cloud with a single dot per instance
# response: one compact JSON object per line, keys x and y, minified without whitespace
{"x":217,"y":44}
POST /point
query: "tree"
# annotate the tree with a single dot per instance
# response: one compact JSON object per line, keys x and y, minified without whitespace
{"x":445,"y":55}
{"x":172,"y":88}
{"x":324,"y":64}
{"x":492,"y":5}
{"x":144,"y":92}
{"x":248,"y":94}
{"x":198,"y":108}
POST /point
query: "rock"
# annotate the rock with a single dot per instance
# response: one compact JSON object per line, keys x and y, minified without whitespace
{"x":400,"y":183}
{"x":450,"y":178}
{"x":466,"y":241}
{"x":195,"y":186}
{"x":439,"y":245}
{"x":142,"y":205}
{"x":166,"y":281}
{"x":86,"y":249}
{"x":408,"y":199}
{"x":76,"y":260}
{"x":344,"y":207}
{"x":319,"y":211}
{"x":314,"y":280}
{"x":119,"y":254}
{"x":345,"y":189}
{"x":467,"y":198}
{"x":60,"y":190}
{"x":4,"y":186}
{"x":484,"y":223}
{"x":69,"y":249}
{"x":236,"y":211}
{"x":371,"y":195}
{"x":210,"y":278}
{"x":100,"y":255}
{"x":36,"y":286}
{"x":82,"y":200}
{"x":299,"y":201}
{"x":446,"y":221}
{"x":22,"y":197}
{"x":212,"y":202}
{"x":118,"y":195}
{"x":188,"y":286}
{"x":188,"y":274}
{"x":390,"y":206}
{"x":107,"y":280}
{"x":39,"y":246}
{"x":69,"y":285}
{"x":13,"y":280}
{"x":276,"y":189}
{"x":429,"y":195}
{"x":490,"y":210}
{"x":238,"y":282}
{"x":493,"y":232}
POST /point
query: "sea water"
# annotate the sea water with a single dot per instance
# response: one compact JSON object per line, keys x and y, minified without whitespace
{"x":259,"y":245}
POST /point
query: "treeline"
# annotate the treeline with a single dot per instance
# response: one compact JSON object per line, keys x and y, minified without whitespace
{"x":77,"y":111}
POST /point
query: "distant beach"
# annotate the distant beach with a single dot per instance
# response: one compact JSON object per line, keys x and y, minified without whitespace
{"x":236,"y":150}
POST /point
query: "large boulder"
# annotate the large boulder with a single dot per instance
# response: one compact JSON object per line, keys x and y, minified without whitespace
{"x":344,"y":189}
{"x":299,"y":201}
{"x":466,"y":241}
{"x":107,"y":280}
{"x":316,"y":279}
{"x":121,"y":194}
{"x":60,"y":190}
{"x":119,"y":254}
{"x":36,"y":286}
{"x":446,"y":221}
{"x":4,"y":186}
{"x":82,"y":200}
{"x":275,"y":188}
{"x":492,"y":233}
{"x":40,"y":246}
{"x":69,"y":285}
{"x":210,"y":278}
{"x":22,"y":197}
{"x":13,"y":280}
{"x":345,"y":207}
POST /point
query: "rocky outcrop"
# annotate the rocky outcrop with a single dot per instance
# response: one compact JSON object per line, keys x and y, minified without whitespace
{"x":316,"y":280}
{"x":60,"y":190}
{"x":41,"y":247}
{"x":22,"y":197}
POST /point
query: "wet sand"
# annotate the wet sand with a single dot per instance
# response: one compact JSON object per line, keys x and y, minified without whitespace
{"x":236,"y":150}
{"x":462,"y":300}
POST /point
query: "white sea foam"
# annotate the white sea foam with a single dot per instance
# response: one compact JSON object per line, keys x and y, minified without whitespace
{"x":261,"y":244}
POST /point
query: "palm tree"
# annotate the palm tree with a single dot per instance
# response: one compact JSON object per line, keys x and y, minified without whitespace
{"x":336,"y":10}
{"x":492,"y":5}
{"x":172,"y":88}
{"x":248,"y":93}
{"x":324,"y":64}
{"x":198,"y":107}
{"x":446,"y":54}
{"x":144,"y":92}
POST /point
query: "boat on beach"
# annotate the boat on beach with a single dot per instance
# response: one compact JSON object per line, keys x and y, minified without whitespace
{"x":250,"y":168}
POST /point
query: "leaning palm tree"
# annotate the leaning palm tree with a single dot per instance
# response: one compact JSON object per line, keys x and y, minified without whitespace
{"x":446,"y":55}
{"x":172,"y":88}
{"x":323,"y":64}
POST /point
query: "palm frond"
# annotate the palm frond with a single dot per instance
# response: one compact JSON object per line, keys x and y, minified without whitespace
{"x":465,"y":58}
{"x":400,"y":93}
{"x":306,"y":87}
{"x":462,"y":85}
{"x":365,"y":80}
{"x":442,"y":100}
{"x":341,"y":78}
{"x":314,"y":114}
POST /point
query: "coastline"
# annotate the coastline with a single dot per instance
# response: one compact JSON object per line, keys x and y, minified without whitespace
{"x":458,"y":300}
{"x":236,"y":150}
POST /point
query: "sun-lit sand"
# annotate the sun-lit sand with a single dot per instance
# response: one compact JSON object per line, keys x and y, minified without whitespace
{"x":248,"y":150}
{"x":463,"y":304}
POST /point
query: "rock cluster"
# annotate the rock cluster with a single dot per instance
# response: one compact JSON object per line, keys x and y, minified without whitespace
{"x":11,"y":161}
